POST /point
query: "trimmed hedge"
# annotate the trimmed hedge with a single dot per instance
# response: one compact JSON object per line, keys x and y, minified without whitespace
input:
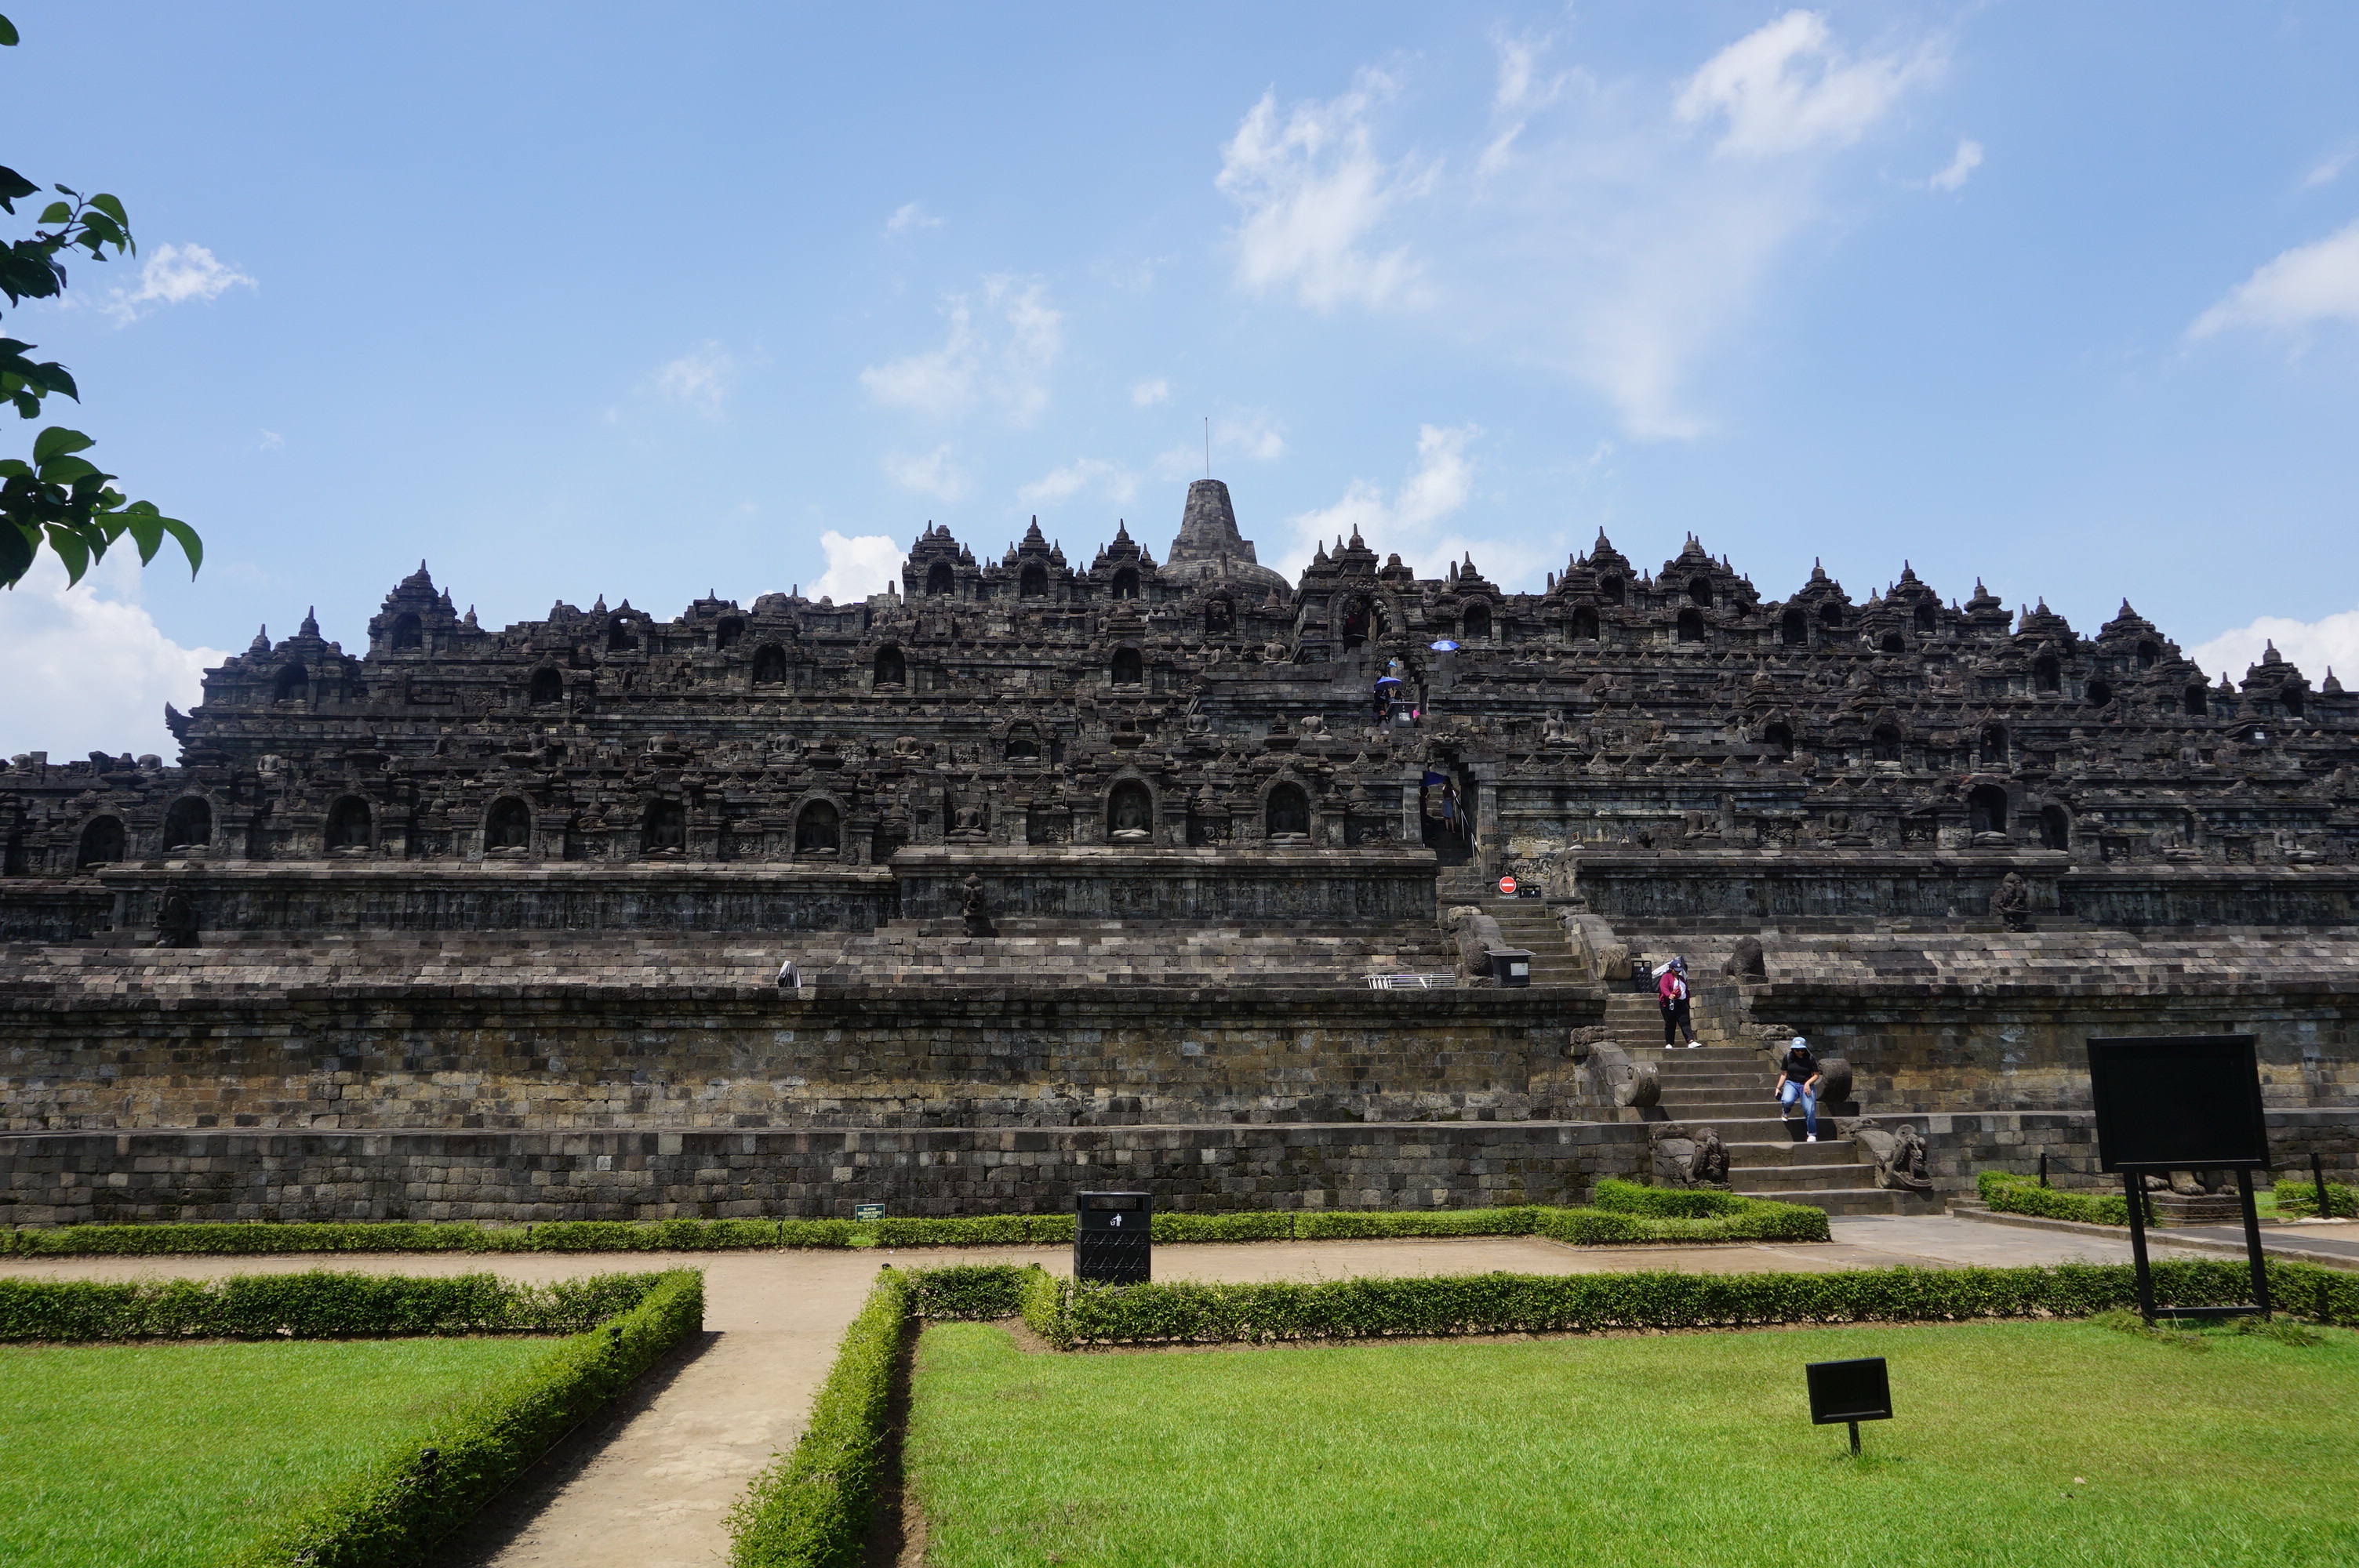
{"x":812,"y":1509}
{"x":418,"y":1495}
{"x":813,"y":1506}
{"x":2010,"y":1192}
{"x":1525,"y":1304}
{"x":314,"y":1306}
{"x":1736,"y":1219}
{"x":2298,"y":1199}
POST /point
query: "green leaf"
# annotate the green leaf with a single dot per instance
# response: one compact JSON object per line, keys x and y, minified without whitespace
{"x":56,"y":212}
{"x":68,"y":469}
{"x":28,"y":405}
{"x":71,"y":550}
{"x":100,"y":227}
{"x":190,"y":545}
{"x":67,"y":190}
{"x":145,"y":528}
{"x":8,"y":33}
{"x":14,"y":468}
{"x":54,"y":377}
{"x":16,"y":554}
{"x":55,"y":442}
{"x":111,"y":208}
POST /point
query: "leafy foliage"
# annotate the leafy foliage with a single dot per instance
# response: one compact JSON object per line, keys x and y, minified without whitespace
{"x":1624,"y":1213}
{"x":2010,"y":1192}
{"x":60,"y":499}
{"x":315,"y":1305}
{"x":2298,"y":1199}
{"x":1526,"y":1304}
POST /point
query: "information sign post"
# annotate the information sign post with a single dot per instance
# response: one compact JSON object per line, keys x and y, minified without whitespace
{"x":2184,"y":1102}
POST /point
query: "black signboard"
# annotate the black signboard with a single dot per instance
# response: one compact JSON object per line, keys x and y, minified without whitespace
{"x":1850,"y":1391}
{"x":2184,"y":1102}
{"x":2181,"y":1102}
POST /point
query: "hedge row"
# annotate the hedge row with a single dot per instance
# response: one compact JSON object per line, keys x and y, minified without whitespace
{"x":418,"y":1495}
{"x":2010,"y":1192}
{"x":1733,"y":1219}
{"x":2298,"y":1199}
{"x":1524,"y":1304}
{"x":315,"y":1305}
{"x":813,"y":1506}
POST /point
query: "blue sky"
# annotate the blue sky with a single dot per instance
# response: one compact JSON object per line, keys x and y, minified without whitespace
{"x":574,"y":300}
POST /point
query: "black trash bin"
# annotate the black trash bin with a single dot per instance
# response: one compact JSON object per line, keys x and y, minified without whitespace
{"x":1511,"y":966}
{"x":1114,"y":1243}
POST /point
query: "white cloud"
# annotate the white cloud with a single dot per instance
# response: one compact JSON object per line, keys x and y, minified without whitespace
{"x":909,"y":218}
{"x":858,"y":567}
{"x":271,"y":441}
{"x":2327,"y":169}
{"x":1148,"y":394}
{"x":699,"y":379}
{"x":935,"y":474}
{"x":1584,"y":228}
{"x":2317,"y":282}
{"x":1006,"y":362}
{"x":1254,"y":435}
{"x":1968,"y":160}
{"x":2315,"y":646}
{"x":1110,"y":480}
{"x":89,"y":669}
{"x":174,"y":274}
{"x":1313,"y":193}
{"x":1413,"y":518}
{"x":1788,"y":86}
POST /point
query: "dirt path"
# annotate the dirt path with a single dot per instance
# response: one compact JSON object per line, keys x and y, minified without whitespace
{"x":647,"y":1483}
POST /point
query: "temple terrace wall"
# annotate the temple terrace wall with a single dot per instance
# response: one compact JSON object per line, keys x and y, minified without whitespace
{"x":564,"y":1056}
{"x":219,"y":1176}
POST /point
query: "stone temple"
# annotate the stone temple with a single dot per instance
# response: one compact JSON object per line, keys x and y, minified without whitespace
{"x":1039,"y":873}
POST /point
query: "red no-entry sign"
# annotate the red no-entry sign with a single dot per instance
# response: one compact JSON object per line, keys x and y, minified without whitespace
{"x":1506,"y":887}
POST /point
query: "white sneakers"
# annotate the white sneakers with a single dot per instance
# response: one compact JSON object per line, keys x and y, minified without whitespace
{"x":1810,"y":1138}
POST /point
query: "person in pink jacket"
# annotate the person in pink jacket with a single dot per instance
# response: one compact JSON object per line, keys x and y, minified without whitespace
{"x":1671,"y":993}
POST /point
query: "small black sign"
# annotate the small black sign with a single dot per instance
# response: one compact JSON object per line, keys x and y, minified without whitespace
{"x":1850,"y":1391}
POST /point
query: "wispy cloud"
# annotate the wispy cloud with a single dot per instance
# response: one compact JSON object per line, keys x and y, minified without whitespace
{"x":909,"y":218}
{"x":1003,"y":359}
{"x":1411,"y":518}
{"x":2327,"y":169}
{"x":1962,"y":165}
{"x":858,"y":567}
{"x":700,"y":379}
{"x":1314,"y":193}
{"x":1613,"y":233}
{"x":174,"y":274}
{"x":1788,"y":86}
{"x":1113,"y":481}
{"x":2302,"y":287}
{"x":1148,"y":394}
{"x":936,"y":474}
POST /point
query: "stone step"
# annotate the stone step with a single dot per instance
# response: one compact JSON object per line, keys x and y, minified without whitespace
{"x":1752,"y":1156}
{"x":1844,"y":1200}
{"x":1770,"y":1180}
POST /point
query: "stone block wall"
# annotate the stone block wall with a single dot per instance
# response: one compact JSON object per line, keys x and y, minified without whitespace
{"x":585,"y":1056}
{"x":1143,"y":883}
{"x":221,"y":1175}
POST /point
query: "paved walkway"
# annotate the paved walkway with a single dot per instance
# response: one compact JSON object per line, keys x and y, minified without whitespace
{"x":645,"y":1485}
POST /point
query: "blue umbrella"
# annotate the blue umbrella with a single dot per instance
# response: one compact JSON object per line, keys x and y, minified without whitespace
{"x":1444,"y":647}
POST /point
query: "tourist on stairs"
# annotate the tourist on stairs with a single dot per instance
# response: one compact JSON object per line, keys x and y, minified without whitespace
{"x":1799,"y":1078}
{"x":1671,"y":993}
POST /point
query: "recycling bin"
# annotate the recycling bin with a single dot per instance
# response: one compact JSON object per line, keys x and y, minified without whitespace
{"x":1114,"y":1242}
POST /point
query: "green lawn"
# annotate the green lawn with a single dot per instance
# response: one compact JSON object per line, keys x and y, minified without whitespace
{"x":2041,"y":1444}
{"x":175,"y":1454}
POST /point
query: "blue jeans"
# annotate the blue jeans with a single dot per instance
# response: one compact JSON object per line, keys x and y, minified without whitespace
{"x":1790,"y":1091}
